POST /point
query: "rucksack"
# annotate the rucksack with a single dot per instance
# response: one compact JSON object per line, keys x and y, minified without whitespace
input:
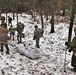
{"x":40,"y":32}
{"x":20,"y":27}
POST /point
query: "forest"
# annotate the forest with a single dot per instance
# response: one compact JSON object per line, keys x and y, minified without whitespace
{"x":46,"y":6}
{"x":56,"y":19}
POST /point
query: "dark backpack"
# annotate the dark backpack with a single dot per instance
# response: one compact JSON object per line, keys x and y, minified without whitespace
{"x":38,"y":33}
{"x":20,"y":27}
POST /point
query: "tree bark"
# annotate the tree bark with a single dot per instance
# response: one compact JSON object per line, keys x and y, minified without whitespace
{"x":13,"y":15}
{"x":42,"y":20}
{"x":52,"y":19}
{"x":17,"y":17}
{"x":71,"y":22}
{"x":52,"y":24}
{"x":59,"y":6}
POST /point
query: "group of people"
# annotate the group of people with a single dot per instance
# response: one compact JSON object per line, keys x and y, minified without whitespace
{"x":3,"y":23}
{"x":38,"y":33}
{"x":4,"y":33}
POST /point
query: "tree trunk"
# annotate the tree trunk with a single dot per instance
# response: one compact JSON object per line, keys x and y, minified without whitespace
{"x":17,"y":17}
{"x":17,"y":9}
{"x":71,"y":22}
{"x":52,"y":18}
{"x":31,"y":13}
{"x":6,"y":15}
{"x":13,"y":15}
{"x":47,"y":16}
{"x":52,"y":24}
{"x":13,"y":10}
{"x":63,"y":13}
{"x":34,"y":11}
{"x":0,"y":13}
{"x":59,"y":6}
{"x":42,"y":20}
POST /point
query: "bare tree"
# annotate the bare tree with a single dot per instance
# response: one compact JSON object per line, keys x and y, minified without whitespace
{"x":71,"y":22}
{"x":52,"y":19}
{"x":42,"y":20}
{"x":59,"y":6}
{"x":34,"y":10}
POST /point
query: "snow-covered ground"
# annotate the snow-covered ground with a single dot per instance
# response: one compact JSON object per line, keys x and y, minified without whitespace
{"x":52,"y":48}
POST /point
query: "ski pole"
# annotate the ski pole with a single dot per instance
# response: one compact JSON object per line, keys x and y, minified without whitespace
{"x":66,"y":43}
{"x":65,"y":62}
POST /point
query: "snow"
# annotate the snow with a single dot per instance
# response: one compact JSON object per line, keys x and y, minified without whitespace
{"x":52,"y":47}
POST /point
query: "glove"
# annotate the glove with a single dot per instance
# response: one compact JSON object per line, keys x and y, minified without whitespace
{"x":33,"y":38}
{"x":66,"y":43}
{"x":70,"y":50}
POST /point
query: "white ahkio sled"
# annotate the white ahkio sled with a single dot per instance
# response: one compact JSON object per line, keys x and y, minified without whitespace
{"x":33,"y":53}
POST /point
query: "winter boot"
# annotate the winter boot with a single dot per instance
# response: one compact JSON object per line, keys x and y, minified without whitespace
{"x":74,"y":69}
{"x":7,"y":52}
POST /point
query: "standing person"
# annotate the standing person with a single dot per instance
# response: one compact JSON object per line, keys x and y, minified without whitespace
{"x":12,"y":32}
{"x":2,"y":18}
{"x":38,"y":33}
{"x":73,"y":48}
{"x":20,"y":28}
{"x":4,"y":24}
{"x":3,"y":39}
{"x":9,"y":20}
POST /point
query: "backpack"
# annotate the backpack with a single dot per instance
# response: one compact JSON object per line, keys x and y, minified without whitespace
{"x":12,"y":30}
{"x":39,"y":33}
{"x":20,"y":27}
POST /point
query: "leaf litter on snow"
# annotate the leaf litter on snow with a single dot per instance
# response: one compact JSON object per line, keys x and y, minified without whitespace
{"x":52,"y":47}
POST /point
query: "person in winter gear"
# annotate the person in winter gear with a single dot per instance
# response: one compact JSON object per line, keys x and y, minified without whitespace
{"x":20,"y":28}
{"x":73,"y":48}
{"x":12,"y":32}
{"x":38,"y":33}
{"x":3,"y":39}
{"x":4,"y":24}
{"x":9,"y":20}
{"x":2,"y":18}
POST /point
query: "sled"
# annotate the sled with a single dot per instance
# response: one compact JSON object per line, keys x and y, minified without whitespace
{"x":32,"y":53}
